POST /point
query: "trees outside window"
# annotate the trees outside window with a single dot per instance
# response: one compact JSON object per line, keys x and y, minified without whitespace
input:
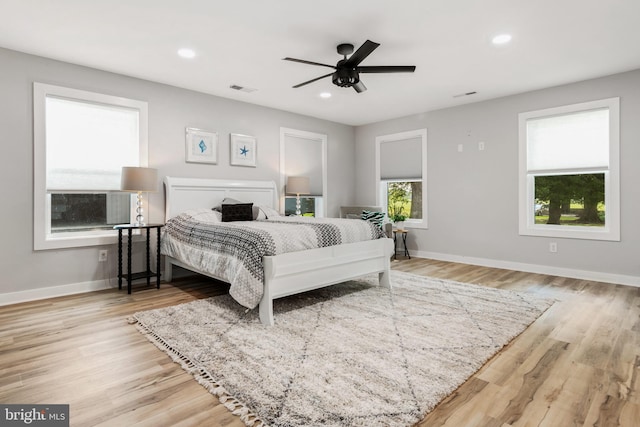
{"x":404,"y":199}
{"x":570,"y":200}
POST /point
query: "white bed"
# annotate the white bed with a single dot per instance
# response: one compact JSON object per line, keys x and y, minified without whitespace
{"x":284,"y":274}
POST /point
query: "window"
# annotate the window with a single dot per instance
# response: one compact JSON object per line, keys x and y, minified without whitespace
{"x":304,"y":154}
{"x":401,"y":162}
{"x":569,"y":177}
{"x":81,"y":141}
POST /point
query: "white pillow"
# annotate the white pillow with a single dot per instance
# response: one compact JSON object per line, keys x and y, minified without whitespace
{"x":258,"y":213}
{"x":205,"y":215}
{"x":269,"y":212}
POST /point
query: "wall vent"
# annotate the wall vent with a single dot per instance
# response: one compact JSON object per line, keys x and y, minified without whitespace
{"x":465,"y":94}
{"x":243,"y":88}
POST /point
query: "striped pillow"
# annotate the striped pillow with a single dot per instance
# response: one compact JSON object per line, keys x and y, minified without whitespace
{"x":374,"y":217}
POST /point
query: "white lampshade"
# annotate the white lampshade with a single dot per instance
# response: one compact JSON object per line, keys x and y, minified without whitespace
{"x":298,"y":185}
{"x":137,"y":179}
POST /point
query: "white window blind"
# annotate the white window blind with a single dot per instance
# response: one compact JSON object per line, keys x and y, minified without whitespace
{"x":569,"y":141}
{"x":303,"y":157}
{"x":401,"y":159}
{"x":88,"y":143}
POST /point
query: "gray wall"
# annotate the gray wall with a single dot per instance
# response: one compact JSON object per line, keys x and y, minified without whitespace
{"x":170,"y":110}
{"x":473,"y":195}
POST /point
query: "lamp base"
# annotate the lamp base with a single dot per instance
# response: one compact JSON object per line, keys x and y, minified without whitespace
{"x":298,"y":211}
{"x":139,"y":211}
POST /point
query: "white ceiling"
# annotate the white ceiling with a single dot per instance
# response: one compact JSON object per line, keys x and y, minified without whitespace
{"x":243,"y":42}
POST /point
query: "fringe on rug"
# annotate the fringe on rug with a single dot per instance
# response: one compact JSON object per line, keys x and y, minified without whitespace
{"x":202,"y":376}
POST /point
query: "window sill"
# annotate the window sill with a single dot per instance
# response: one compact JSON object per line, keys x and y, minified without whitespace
{"x":69,"y":240}
{"x":571,"y":232}
{"x":415,"y":224}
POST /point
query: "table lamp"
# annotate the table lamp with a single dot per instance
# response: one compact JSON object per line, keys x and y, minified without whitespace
{"x":139,"y":180}
{"x":298,"y":185}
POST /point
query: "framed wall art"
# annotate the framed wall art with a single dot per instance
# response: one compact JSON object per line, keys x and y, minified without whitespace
{"x":243,"y":150}
{"x":201,"y":146}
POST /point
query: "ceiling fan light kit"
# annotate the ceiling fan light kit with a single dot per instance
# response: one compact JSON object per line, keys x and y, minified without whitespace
{"x":345,"y":77}
{"x":347,"y":70}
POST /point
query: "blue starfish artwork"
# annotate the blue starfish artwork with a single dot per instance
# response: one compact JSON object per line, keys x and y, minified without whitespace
{"x":202,"y":146}
{"x":244,"y":150}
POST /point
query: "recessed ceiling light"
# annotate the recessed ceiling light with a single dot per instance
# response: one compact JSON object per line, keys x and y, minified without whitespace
{"x":501,"y":39}
{"x":325,"y":95}
{"x":186,"y":53}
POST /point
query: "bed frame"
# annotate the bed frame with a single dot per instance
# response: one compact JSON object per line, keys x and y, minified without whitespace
{"x":288,"y":273}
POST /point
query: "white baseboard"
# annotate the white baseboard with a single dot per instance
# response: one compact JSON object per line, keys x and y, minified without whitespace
{"x":54,"y":291}
{"x":596,"y":276}
{"x":98,"y":285}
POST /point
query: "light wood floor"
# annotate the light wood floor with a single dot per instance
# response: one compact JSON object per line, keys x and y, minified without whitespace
{"x":578,"y":364}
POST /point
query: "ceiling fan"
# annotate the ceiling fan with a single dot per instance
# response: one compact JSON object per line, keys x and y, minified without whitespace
{"x":347,"y":70}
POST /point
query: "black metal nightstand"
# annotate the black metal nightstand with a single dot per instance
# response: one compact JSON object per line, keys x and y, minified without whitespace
{"x":148,"y":274}
{"x":403,"y":233}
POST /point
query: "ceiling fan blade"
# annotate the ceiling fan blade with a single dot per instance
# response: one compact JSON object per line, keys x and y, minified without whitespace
{"x":360,"y":54}
{"x":311,"y":81}
{"x":387,"y":69}
{"x":302,"y":61}
{"x":359,"y":87}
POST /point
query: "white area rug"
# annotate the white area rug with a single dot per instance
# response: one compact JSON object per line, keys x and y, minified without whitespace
{"x":353,"y":354}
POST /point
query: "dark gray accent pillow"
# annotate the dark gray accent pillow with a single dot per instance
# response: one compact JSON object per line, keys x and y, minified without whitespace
{"x":237,"y":212}
{"x":230,"y":201}
{"x":269,"y":212}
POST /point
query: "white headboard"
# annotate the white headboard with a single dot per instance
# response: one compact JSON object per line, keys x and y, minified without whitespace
{"x":191,"y":193}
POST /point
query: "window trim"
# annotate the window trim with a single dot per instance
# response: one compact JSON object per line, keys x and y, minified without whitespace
{"x":417,"y":133}
{"x":42,"y":237}
{"x":611,"y":229}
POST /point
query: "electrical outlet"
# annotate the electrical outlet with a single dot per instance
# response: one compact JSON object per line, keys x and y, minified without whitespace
{"x":480,"y":146}
{"x":102,"y":255}
{"x":460,"y":148}
{"x":553,"y":247}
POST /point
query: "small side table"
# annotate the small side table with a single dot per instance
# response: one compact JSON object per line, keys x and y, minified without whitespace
{"x":148,"y":274}
{"x":403,"y":233}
